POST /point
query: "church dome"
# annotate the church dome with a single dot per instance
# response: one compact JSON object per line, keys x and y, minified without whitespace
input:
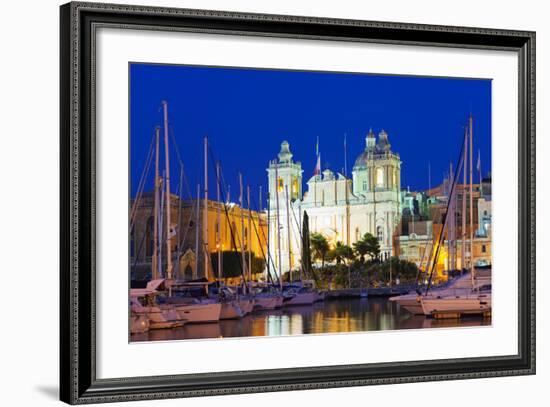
{"x":362,"y":160}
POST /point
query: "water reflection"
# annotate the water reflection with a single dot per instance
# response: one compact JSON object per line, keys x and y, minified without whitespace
{"x":354,"y":315}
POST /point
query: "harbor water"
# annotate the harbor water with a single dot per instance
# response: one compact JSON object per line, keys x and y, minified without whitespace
{"x":334,"y":316}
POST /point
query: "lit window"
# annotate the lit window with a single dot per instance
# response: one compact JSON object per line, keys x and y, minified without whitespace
{"x":379,"y":177}
{"x":295,"y":185}
{"x":280,"y":185}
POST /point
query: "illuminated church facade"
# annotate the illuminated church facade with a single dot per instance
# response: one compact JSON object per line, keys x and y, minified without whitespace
{"x":339,"y":208}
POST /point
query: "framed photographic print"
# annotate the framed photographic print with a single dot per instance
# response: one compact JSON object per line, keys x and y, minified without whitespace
{"x":256,"y":203}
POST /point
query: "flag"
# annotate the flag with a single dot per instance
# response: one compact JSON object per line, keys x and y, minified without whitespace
{"x":317,"y":147}
{"x":317,"y":170}
{"x":478,"y":166}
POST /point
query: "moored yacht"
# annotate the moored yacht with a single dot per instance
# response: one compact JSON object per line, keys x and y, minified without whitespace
{"x":460,"y":304}
{"x":295,"y":295}
{"x":142,"y":302}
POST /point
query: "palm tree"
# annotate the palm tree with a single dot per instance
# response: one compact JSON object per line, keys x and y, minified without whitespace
{"x":367,"y":245}
{"x":341,"y":252}
{"x":319,"y":247}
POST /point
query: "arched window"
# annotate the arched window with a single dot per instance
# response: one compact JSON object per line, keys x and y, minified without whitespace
{"x":294,"y":185}
{"x":280,"y":184}
{"x":365,"y":185}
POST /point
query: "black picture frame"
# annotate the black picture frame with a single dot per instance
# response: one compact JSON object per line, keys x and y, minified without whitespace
{"x":78,"y":382}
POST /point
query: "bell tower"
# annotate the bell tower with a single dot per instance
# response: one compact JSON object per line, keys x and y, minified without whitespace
{"x":285,"y":195}
{"x":284,"y":173}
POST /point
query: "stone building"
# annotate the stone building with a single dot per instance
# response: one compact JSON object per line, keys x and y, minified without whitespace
{"x":339,"y":208}
{"x":414,"y":246}
{"x":232,"y":233}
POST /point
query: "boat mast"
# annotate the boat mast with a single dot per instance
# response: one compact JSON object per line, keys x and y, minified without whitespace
{"x":249,"y":240}
{"x":167,"y":191}
{"x":205,"y":209}
{"x":241,"y":202}
{"x":197,"y":211}
{"x":218,"y":229}
{"x":450,"y":264}
{"x":471,"y":202}
{"x":464,"y":181}
{"x":277,"y":232}
{"x":155,"y":266}
{"x":268,"y":233}
{"x":180,"y":187}
{"x":161,"y":219}
{"x":288,"y":234}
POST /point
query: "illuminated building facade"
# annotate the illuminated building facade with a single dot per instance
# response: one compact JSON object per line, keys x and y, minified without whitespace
{"x":340,"y":208}
{"x":235,"y":231}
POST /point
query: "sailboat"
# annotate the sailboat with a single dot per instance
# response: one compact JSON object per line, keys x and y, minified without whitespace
{"x":144,"y":303}
{"x":476,"y":301}
{"x":229,"y":303}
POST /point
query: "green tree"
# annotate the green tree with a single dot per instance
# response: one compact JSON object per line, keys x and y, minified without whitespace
{"x":368,"y":245}
{"x":232,"y":264}
{"x":394,"y":268}
{"x":341,"y":253}
{"x":319,"y":248}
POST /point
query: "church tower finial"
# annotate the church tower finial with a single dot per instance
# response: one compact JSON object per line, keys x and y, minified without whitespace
{"x":285,"y":156}
{"x":370,"y":140}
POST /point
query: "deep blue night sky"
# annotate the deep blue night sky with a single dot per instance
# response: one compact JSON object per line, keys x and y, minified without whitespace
{"x":246,"y":113}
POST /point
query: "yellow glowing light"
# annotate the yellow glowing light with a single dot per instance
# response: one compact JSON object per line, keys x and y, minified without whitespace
{"x":379,"y":177}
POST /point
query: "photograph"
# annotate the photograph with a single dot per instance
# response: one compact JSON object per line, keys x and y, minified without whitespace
{"x":261,"y":201}
{"x":276,"y":202}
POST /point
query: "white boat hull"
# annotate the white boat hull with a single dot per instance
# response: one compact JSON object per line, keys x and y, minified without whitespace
{"x":301,"y":299}
{"x":197,"y":313}
{"x":465,"y":304}
{"x":231,"y":310}
{"x":273,"y":302}
{"x":247,"y":305}
{"x":319,"y":296}
{"x":411,"y":303}
{"x":163,"y":318}
{"x":139,"y":323}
